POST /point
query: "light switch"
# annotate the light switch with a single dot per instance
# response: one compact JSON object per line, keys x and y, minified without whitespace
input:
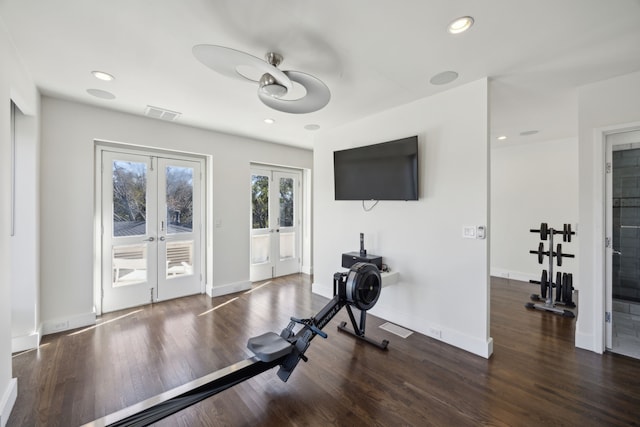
{"x":469,"y":231}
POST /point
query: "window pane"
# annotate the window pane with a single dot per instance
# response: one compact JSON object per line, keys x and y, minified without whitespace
{"x":179,"y":259}
{"x":286,"y":202}
{"x":179,"y":199}
{"x":287,"y":245}
{"x":260,"y":248}
{"x":129,"y":264}
{"x":259,"y":201}
{"x":129,"y":198}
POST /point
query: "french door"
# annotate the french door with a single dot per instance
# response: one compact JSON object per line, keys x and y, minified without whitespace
{"x":151,"y":228}
{"x":623,"y":243}
{"x":275,"y":223}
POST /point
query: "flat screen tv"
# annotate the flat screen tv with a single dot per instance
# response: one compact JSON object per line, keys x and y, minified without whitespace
{"x":386,"y":171}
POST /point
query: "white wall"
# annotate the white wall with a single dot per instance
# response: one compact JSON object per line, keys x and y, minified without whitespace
{"x":443,"y":282}
{"x":67,"y":210}
{"x":530,"y":184}
{"x":25,"y":260}
{"x":602,"y":107}
{"x":16,"y":84}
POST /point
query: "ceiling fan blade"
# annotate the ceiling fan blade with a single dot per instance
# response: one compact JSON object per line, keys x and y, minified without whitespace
{"x":225,"y":61}
{"x":318,"y":95}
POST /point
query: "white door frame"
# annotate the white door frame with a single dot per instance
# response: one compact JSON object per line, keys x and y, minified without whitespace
{"x":600,"y":232}
{"x":99,"y":147}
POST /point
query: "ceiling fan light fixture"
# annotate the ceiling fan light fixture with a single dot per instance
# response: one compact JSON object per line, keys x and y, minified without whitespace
{"x":317,"y":96}
{"x":270,"y":86}
{"x":460,"y":25}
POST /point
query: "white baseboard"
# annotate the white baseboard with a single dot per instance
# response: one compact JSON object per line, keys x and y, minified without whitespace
{"x":230,"y":288}
{"x":479,"y":347}
{"x":322,"y":289}
{"x":514,"y":275}
{"x":64,"y":324}
{"x":307,"y":269}
{"x":7,"y":401}
{"x":26,"y":342}
{"x":587,"y":342}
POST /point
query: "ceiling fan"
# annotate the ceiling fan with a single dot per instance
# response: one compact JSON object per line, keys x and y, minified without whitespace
{"x":274,"y":84}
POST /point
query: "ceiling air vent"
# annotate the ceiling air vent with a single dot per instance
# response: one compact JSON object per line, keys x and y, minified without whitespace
{"x":161,"y":113}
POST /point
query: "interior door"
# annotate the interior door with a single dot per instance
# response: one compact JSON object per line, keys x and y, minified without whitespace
{"x":622,"y":242}
{"x":151,"y":221}
{"x":275,"y":223}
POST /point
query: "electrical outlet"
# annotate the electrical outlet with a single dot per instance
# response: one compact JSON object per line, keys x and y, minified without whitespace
{"x":59,"y":326}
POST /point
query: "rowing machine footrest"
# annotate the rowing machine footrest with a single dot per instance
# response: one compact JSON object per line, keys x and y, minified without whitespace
{"x":269,"y":346}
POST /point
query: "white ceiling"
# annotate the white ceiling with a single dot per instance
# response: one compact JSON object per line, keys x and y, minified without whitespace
{"x":372,"y":54}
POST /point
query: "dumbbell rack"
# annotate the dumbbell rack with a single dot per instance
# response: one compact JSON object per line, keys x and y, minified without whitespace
{"x":563,"y":283}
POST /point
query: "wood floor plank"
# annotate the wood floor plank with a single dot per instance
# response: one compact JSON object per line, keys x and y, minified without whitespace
{"x":535,"y":377}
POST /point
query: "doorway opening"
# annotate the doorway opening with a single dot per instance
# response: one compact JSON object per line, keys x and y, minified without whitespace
{"x":623,"y":243}
{"x":150,"y":210}
{"x":275,"y":221}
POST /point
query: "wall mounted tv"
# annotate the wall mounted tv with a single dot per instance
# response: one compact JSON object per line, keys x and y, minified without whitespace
{"x":386,"y":171}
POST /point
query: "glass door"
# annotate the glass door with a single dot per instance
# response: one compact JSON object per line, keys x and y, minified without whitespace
{"x":151,"y":222}
{"x":179,"y":233}
{"x":275,"y":223}
{"x":622,"y":318}
{"x":129,"y":248}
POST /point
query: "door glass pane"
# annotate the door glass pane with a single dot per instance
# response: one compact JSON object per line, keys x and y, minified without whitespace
{"x":129,"y":264}
{"x":626,"y":225}
{"x":259,"y":201}
{"x":260,"y":248}
{"x":179,"y":199}
{"x":179,"y":258}
{"x":287,"y":245}
{"x":129,"y":198}
{"x":286,"y":202}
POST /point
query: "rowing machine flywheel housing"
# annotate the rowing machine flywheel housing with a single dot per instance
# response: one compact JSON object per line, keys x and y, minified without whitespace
{"x":362,"y":286}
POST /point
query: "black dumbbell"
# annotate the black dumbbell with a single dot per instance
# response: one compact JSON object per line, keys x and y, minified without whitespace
{"x":567,"y":233}
{"x":540,"y":252}
{"x":544,"y":231}
{"x":558,"y":253}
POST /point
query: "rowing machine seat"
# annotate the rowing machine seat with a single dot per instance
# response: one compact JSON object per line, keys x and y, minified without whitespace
{"x":269,"y":346}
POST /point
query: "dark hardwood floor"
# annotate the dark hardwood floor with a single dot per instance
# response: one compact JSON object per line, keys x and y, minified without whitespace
{"x":536,"y":376}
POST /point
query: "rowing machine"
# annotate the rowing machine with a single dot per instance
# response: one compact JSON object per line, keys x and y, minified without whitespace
{"x":359,"y":287}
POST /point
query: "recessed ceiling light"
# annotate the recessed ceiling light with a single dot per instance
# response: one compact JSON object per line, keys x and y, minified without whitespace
{"x":103,"y":94}
{"x":528,"y":132}
{"x":269,"y":121}
{"x":501,"y":138}
{"x":103,"y":76}
{"x":460,"y":25}
{"x":443,"y":78}
{"x":312,"y":126}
